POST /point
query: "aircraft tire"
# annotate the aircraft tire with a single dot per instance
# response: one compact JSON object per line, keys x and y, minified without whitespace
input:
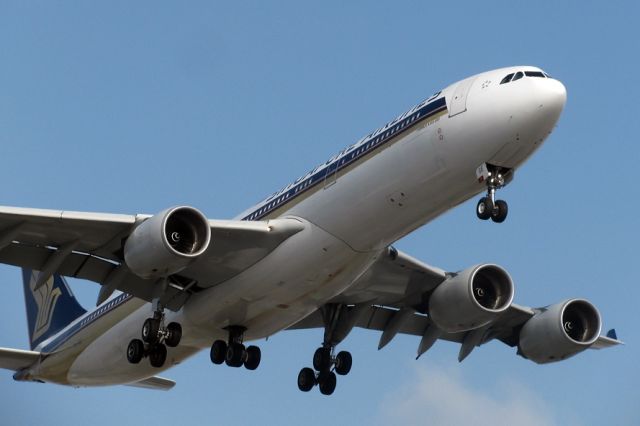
{"x":175,"y":334}
{"x":484,"y":208}
{"x":135,"y":351}
{"x":218,"y":351}
{"x":235,"y":355}
{"x":150,"y":330}
{"x":157,"y":355}
{"x":327,"y":382}
{"x":322,"y":359}
{"x":343,"y":363}
{"x":306,"y":379}
{"x":253,"y":356}
{"x":500,"y":212}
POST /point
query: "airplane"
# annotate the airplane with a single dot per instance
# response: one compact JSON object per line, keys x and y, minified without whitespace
{"x":317,"y":254}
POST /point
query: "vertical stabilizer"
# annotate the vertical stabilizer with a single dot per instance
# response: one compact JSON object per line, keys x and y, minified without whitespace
{"x":50,"y":308}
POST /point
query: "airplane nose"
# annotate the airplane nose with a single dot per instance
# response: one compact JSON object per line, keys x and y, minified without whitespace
{"x":533,"y":114}
{"x":554,"y":95}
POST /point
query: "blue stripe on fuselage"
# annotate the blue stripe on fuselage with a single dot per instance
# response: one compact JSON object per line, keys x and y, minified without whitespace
{"x":86,"y":320}
{"x":348,"y":157}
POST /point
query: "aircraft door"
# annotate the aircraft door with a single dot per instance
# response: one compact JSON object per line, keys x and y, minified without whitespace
{"x":458,"y":101}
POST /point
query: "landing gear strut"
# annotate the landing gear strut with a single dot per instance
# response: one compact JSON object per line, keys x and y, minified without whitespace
{"x":155,"y":339}
{"x":233,"y":352}
{"x":338,"y":323}
{"x":488,"y":206}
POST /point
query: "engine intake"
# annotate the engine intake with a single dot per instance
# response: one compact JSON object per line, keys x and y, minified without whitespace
{"x":471,"y":299}
{"x":560,"y":331}
{"x":167,"y":243}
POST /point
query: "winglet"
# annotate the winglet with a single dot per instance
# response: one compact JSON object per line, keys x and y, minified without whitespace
{"x":610,"y":339}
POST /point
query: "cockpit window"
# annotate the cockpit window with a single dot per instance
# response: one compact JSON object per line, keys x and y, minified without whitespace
{"x":518,"y":75}
{"x":506,"y":79}
{"x":534,"y":74}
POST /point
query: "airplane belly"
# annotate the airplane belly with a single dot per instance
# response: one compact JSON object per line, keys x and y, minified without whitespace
{"x":304,"y":272}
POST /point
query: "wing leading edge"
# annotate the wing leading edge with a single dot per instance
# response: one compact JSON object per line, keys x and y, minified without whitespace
{"x":90,"y":246}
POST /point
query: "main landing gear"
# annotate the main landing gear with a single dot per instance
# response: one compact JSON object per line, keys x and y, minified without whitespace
{"x":233,"y":352}
{"x":488,"y":206}
{"x":155,"y":339}
{"x":325,"y":368}
{"x":338,"y":321}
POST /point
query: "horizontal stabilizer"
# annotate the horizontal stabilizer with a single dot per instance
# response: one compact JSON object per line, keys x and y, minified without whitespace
{"x":155,"y":382}
{"x":17,"y":359}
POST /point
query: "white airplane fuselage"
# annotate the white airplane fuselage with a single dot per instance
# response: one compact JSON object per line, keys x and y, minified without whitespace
{"x":372,"y":194}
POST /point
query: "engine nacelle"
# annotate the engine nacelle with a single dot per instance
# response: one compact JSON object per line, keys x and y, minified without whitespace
{"x":471,"y":299}
{"x":167,"y":243}
{"x":560,"y":331}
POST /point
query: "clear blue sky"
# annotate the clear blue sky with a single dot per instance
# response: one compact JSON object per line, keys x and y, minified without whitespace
{"x":132,"y":107}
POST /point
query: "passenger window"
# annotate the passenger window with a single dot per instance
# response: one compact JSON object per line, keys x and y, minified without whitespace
{"x":506,"y":79}
{"x":518,"y":76}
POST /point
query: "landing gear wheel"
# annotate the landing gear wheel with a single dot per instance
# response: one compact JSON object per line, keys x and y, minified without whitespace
{"x":306,"y":379}
{"x":218,"y":351}
{"x":150,"y":330}
{"x":252,"y":360}
{"x":174,"y":334}
{"x":343,"y":363}
{"x":235,"y":355}
{"x":500,"y":211}
{"x":484,"y":208}
{"x":157,"y":355}
{"x":327,"y":382}
{"x":135,"y":351}
{"x":322,"y":359}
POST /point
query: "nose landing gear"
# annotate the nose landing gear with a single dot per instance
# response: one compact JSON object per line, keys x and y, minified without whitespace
{"x":488,"y":207}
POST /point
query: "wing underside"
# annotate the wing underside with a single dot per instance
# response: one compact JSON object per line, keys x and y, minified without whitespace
{"x":393,"y":297}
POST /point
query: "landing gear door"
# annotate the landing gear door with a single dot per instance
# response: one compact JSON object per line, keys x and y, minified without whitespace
{"x":458,"y":101}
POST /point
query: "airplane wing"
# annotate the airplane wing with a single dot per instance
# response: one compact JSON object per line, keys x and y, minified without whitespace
{"x":17,"y":359}
{"x":392,"y":297}
{"x":90,"y":246}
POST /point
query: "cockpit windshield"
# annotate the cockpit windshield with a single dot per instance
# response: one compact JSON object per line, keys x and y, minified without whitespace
{"x":518,"y":75}
{"x":534,"y":74}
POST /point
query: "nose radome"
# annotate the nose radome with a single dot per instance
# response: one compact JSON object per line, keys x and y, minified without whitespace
{"x":555,"y":95}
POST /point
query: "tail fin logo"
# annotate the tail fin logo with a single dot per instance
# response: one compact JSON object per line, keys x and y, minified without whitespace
{"x":46,"y":298}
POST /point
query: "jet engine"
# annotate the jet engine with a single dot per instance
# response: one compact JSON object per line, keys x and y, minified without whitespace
{"x":560,"y":331}
{"x":471,"y":299}
{"x":168,"y":242}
